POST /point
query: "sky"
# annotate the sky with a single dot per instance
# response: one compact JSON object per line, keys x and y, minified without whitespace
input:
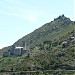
{"x":20,"y":17}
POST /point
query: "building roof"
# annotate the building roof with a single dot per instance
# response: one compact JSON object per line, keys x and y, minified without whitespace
{"x":18,"y":47}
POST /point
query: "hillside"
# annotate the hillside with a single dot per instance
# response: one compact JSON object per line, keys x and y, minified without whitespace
{"x":52,"y":46}
{"x":61,"y":26}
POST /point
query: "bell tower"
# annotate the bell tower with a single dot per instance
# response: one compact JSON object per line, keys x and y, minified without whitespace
{"x":24,"y":45}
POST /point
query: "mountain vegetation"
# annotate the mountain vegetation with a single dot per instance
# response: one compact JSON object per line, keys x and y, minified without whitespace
{"x":52,"y":47}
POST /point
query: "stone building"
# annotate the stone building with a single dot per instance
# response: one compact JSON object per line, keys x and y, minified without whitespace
{"x":16,"y":50}
{"x":6,"y":54}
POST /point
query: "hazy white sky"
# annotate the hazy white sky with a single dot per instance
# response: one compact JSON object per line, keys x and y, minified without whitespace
{"x":20,"y":17}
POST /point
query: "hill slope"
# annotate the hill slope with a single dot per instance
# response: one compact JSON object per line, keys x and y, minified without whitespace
{"x":54,"y":30}
{"x":52,"y":46}
{"x":61,"y":26}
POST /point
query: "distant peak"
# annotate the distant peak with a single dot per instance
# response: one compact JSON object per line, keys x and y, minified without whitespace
{"x":62,"y":17}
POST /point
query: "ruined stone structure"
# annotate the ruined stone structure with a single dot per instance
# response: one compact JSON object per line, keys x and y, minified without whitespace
{"x":16,"y":50}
